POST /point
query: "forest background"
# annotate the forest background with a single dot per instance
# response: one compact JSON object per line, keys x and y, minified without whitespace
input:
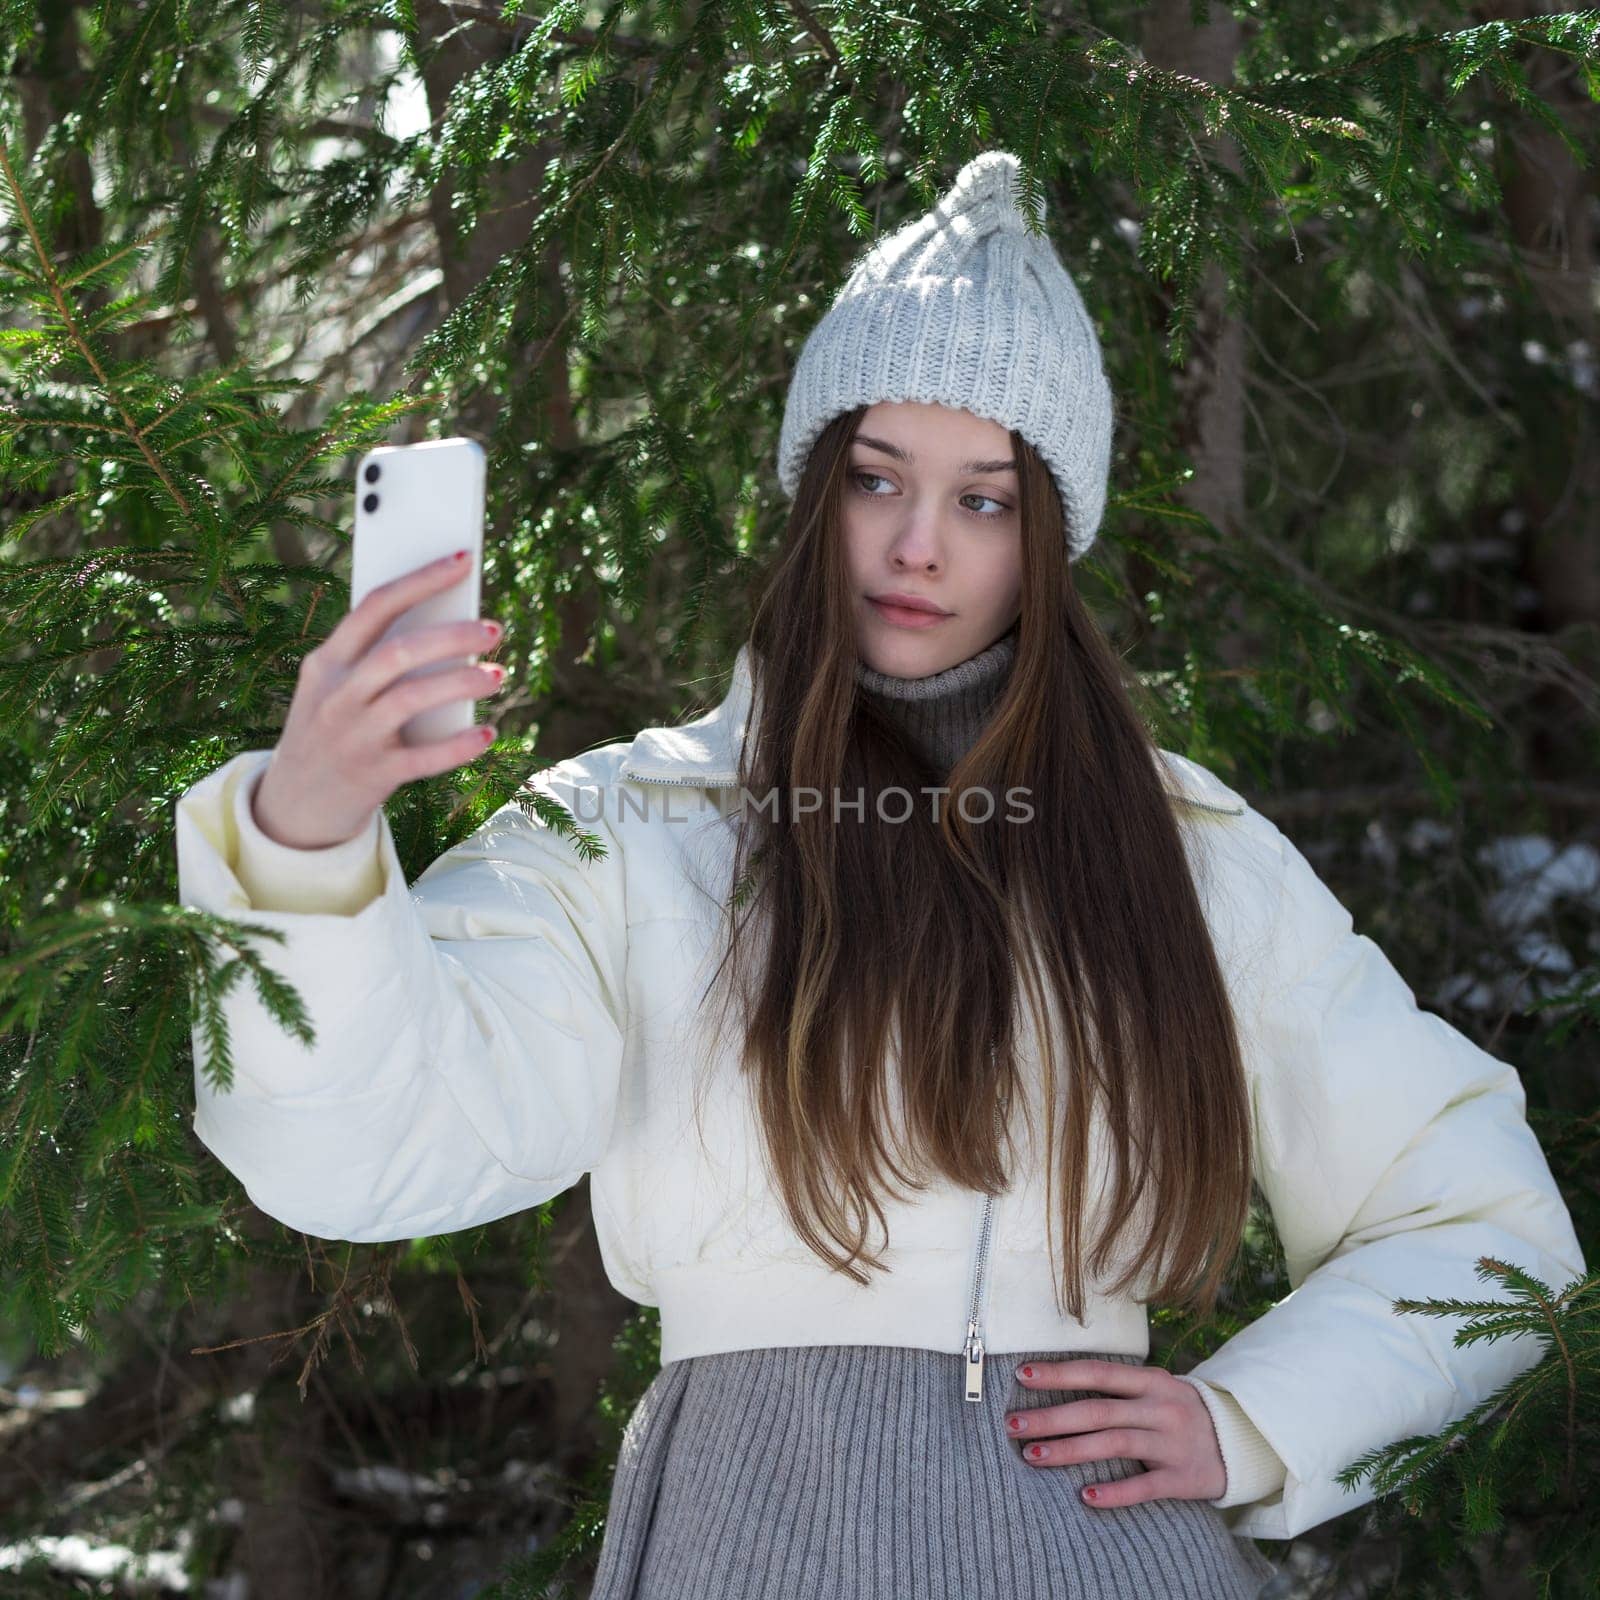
{"x":1342,"y":262}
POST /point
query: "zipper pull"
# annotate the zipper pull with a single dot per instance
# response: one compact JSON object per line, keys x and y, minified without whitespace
{"x":974,"y":1361}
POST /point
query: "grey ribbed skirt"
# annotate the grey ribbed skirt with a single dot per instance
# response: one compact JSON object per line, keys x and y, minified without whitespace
{"x":860,"y":1472}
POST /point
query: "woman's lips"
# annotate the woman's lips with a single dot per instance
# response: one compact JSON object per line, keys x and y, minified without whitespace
{"x":907,"y":616}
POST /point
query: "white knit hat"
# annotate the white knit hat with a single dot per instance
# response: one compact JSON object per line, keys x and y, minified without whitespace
{"x":963,"y":307}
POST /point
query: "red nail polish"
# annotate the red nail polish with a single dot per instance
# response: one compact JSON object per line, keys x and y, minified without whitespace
{"x":1091,"y":1494}
{"x":1036,"y":1451}
{"x":1027,"y":1372}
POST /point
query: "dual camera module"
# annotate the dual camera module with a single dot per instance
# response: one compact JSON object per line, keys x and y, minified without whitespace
{"x":370,"y":503}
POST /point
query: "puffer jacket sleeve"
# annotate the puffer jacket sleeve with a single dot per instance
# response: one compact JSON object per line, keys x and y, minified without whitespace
{"x":469,"y":1029}
{"x":1393,"y":1152}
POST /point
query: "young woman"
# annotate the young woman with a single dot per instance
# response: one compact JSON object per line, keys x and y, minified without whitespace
{"x":919,"y":1022}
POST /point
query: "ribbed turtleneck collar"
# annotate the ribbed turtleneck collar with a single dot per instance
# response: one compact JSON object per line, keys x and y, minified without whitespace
{"x":944,"y":712}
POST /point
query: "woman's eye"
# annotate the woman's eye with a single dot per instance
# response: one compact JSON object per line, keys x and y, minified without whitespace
{"x":992,"y":501}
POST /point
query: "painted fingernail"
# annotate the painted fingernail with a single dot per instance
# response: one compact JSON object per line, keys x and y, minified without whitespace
{"x":1024,"y":1372}
{"x":1036,"y":1451}
{"x":1016,"y":1424}
{"x":1091,"y":1494}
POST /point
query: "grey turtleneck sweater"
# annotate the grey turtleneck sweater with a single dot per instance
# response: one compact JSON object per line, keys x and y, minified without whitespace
{"x":943,"y":712}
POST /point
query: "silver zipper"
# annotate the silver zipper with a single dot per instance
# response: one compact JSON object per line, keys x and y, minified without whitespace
{"x":715,"y":781}
{"x":974,"y":1345}
{"x":1206,"y":805}
{"x":973,"y":1382}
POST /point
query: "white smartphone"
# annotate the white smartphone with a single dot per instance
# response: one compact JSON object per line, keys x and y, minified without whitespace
{"x":416,"y":503}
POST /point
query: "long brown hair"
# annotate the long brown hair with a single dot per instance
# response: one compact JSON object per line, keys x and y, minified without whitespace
{"x":853,"y":941}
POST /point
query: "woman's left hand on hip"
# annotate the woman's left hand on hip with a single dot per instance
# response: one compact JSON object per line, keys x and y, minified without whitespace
{"x":1145,"y":1414}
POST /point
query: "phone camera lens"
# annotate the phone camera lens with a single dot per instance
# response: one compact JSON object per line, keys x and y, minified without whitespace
{"x":370,"y":503}
{"x":372,"y":472}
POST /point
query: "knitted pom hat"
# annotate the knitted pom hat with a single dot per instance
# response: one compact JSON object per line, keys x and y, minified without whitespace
{"x":963,"y":307}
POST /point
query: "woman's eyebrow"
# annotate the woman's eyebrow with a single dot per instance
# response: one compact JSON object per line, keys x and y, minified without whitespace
{"x":905,"y":455}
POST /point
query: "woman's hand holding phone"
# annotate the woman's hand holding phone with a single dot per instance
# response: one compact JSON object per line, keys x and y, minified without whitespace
{"x":340,"y":755}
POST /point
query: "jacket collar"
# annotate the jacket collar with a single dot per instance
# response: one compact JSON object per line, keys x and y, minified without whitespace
{"x":705,"y":752}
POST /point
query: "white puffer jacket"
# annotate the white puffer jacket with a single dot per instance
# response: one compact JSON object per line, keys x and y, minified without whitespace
{"x":521,"y":1015}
